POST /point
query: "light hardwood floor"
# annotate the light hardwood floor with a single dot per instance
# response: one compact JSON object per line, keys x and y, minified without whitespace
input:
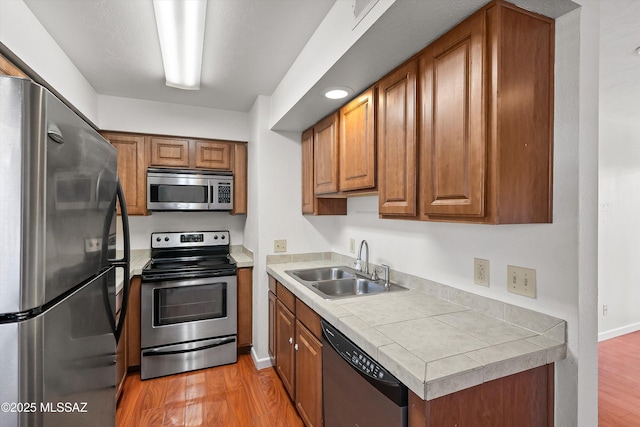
{"x":619,"y":381}
{"x":230,"y":395}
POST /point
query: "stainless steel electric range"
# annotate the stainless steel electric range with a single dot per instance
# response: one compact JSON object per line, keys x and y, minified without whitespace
{"x":188,"y":303}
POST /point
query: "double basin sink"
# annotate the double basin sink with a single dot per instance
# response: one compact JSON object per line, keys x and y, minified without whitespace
{"x":340,"y":282}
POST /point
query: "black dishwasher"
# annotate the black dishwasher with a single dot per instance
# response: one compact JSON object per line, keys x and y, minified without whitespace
{"x":356,"y":390}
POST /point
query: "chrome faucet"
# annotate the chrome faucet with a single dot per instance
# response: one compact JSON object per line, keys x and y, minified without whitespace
{"x":359,"y":267}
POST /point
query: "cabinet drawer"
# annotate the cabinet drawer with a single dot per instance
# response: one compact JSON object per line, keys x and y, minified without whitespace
{"x":308,"y":318}
{"x":286,"y":296}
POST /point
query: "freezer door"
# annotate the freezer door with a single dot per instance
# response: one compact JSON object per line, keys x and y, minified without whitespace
{"x":62,"y":362}
{"x":58,"y":191}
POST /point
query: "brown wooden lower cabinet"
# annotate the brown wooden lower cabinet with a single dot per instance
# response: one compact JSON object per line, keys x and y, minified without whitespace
{"x":525,"y":400}
{"x":308,"y":376}
{"x":294,"y":344}
{"x":133,"y":324}
{"x":285,"y":356}
{"x":245,"y":308}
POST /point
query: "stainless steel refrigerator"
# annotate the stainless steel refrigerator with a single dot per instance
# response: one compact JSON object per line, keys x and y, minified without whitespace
{"x":58,"y":333}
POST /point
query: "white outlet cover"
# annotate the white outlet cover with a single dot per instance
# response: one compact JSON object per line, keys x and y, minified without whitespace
{"x":521,"y":281}
{"x":481,"y":271}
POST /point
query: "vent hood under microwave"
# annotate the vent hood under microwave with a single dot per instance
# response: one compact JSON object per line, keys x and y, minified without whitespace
{"x":189,"y":190}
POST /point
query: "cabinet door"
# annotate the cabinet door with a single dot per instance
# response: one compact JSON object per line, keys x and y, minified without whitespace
{"x":172,"y":152}
{"x":325,"y":155}
{"x":452,"y":138}
{"x":307,"y":173}
{"x":310,"y":203}
{"x":133,"y":323}
{"x":272,"y":327}
{"x":7,"y":68}
{"x":308,"y":376}
{"x":132,"y":170}
{"x":239,"y":179}
{"x":285,"y":356}
{"x":397,"y":149}
{"x":357,"y":144}
{"x":212,"y":155}
{"x":245,"y":306}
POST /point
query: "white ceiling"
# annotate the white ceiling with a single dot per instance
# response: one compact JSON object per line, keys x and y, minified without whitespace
{"x":249,"y":46}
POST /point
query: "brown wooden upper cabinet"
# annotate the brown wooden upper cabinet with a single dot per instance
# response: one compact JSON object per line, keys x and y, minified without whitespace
{"x":308,"y":194}
{"x":357,"y":143}
{"x":136,"y":152}
{"x":132,"y":170}
{"x":486,"y":119}
{"x":189,"y":153}
{"x":325,"y":155}
{"x":8,"y":68}
{"x":397,"y":145}
{"x":311,"y":204}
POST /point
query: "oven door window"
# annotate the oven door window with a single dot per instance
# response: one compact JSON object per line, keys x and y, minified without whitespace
{"x":189,"y":303}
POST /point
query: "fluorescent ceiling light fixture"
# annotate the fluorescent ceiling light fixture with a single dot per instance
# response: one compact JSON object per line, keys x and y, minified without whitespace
{"x":181,"y":31}
{"x":338,"y":92}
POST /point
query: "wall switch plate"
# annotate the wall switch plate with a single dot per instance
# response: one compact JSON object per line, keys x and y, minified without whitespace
{"x":280,"y":245}
{"x":481,"y":271}
{"x":521,"y":281}
{"x":352,"y":246}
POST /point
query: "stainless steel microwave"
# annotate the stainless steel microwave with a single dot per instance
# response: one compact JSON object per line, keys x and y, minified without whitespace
{"x":181,"y":189}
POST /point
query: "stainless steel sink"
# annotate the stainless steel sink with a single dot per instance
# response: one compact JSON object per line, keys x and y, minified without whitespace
{"x":340,"y":282}
{"x":324,"y":273}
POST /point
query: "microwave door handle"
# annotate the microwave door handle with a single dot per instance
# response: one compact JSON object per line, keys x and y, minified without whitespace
{"x":212,"y":194}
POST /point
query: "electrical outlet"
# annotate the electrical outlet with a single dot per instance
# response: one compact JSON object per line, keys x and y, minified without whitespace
{"x":280,"y":245}
{"x":521,"y":281}
{"x":481,"y":271}
{"x":605,"y":309}
{"x":352,"y":246}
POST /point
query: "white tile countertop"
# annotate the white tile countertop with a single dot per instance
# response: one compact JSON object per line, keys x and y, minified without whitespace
{"x":242,"y":256}
{"x":434,"y":338}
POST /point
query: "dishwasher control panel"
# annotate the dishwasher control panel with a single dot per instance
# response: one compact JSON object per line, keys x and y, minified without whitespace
{"x":355,"y":356}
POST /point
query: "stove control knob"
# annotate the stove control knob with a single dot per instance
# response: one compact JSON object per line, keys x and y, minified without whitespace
{"x":158,"y":239}
{"x":166,"y":239}
{"x":215,"y":237}
{"x":222,"y":237}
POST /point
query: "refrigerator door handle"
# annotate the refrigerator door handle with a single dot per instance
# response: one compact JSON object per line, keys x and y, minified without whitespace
{"x":124,"y":262}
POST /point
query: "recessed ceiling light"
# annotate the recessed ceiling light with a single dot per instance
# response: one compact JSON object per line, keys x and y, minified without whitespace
{"x":338,"y":92}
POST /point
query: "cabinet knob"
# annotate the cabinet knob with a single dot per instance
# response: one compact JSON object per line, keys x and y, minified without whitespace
{"x":296,"y":347}
{"x":290,"y":340}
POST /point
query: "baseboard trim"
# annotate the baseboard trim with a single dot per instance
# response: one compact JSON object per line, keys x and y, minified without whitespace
{"x":260,"y":363}
{"x":607,"y":335}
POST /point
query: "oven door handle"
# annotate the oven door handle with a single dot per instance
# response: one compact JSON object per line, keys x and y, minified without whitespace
{"x":218,"y":343}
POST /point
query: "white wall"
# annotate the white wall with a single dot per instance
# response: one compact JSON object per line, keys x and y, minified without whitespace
{"x":143,"y":226}
{"x":275,"y":200}
{"x":135,"y":115}
{"x":23,"y":34}
{"x":619,"y":234}
{"x":619,"y":168}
